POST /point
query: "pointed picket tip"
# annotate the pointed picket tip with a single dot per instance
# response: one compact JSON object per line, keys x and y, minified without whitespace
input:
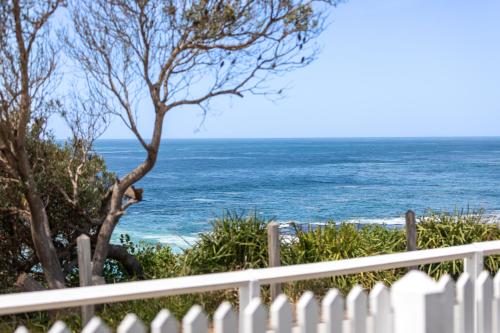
{"x":281,"y":315}
{"x":379,"y":298}
{"x":464,"y":288}
{"x":21,"y":329}
{"x":380,"y":309}
{"x":307,"y":300}
{"x":195,"y":321}
{"x":255,"y":317}
{"x":307,"y":313}
{"x":446,"y":281}
{"x":447,"y":286}
{"x":463,"y":281}
{"x":332,"y":311}
{"x":131,"y":324}
{"x":96,"y":325}
{"x":332,"y":296}
{"x":164,"y":322}
{"x":484,"y":299}
{"x":415,"y":282}
{"x":356,"y":298}
{"x":485,"y":280}
{"x":379,"y":289}
{"x":357,"y":309}
{"x":225,"y":319}
{"x":59,"y":327}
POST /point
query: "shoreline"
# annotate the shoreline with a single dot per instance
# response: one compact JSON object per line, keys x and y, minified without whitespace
{"x":179,"y":242}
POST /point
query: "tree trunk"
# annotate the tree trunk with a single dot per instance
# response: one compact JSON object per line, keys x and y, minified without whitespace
{"x":119,"y":188}
{"x":42,"y":240}
{"x":106,"y":230}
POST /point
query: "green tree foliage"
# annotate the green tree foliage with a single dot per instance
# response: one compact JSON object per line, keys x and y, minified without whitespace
{"x":53,"y":164}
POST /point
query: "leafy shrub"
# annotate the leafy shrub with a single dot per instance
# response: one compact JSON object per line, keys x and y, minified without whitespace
{"x":240,"y":242}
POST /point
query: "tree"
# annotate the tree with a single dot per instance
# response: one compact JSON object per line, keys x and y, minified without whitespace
{"x":49,"y":193}
{"x":160,"y":55}
{"x":27,"y":65}
{"x":74,"y":205}
{"x":136,"y":56}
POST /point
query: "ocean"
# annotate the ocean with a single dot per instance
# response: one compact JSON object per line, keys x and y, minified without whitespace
{"x":303,"y":180}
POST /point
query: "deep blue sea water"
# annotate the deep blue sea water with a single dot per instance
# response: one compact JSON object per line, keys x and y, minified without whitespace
{"x":304,"y":180}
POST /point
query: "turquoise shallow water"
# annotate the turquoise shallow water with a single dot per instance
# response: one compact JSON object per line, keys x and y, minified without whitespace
{"x":304,"y":180}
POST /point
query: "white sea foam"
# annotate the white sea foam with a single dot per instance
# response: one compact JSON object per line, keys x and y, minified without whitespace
{"x":381,"y":221}
{"x":204,"y":200}
{"x":176,"y":242}
{"x":389,"y":221}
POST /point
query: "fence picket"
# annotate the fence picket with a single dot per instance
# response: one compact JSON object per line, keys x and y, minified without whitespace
{"x":195,"y":321}
{"x":225,"y":319}
{"x":484,"y":299}
{"x":246,"y":295}
{"x":21,"y":329}
{"x":380,"y":309}
{"x":307,"y":313}
{"x":255,"y":317}
{"x":496,"y":303}
{"x":131,"y":324}
{"x":281,"y":315}
{"x":357,"y":308}
{"x":464,"y":314}
{"x":416,"y":302}
{"x":96,"y":325}
{"x":59,"y":327}
{"x":164,"y":322}
{"x":448,"y":304}
{"x":332,"y":311}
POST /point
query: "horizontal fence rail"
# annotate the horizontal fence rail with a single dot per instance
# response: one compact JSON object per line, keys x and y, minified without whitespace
{"x":248,"y":281}
{"x":414,"y":304}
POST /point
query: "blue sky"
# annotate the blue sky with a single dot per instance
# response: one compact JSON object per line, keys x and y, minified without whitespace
{"x":389,"y":68}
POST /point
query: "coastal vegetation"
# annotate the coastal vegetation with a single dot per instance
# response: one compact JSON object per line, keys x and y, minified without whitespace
{"x":238,"y":242}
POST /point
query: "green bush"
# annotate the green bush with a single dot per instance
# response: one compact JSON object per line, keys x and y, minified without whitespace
{"x":240,"y":242}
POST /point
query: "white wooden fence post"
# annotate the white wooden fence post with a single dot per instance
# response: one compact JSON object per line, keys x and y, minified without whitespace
{"x":195,"y":321}
{"x":225,"y":319}
{"x":307,"y":313}
{"x":484,"y":301}
{"x":332,"y":309}
{"x":246,"y":295}
{"x":496,"y":304}
{"x":164,"y":322}
{"x":85,"y":273}
{"x":357,"y":310}
{"x":464,"y":314}
{"x":380,"y":309}
{"x":416,"y":301}
{"x":281,"y":315}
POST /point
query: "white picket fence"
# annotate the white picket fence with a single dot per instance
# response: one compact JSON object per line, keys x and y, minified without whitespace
{"x":415,"y":304}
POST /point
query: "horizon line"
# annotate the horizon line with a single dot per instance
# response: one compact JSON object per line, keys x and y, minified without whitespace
{"x":315,"y":137}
